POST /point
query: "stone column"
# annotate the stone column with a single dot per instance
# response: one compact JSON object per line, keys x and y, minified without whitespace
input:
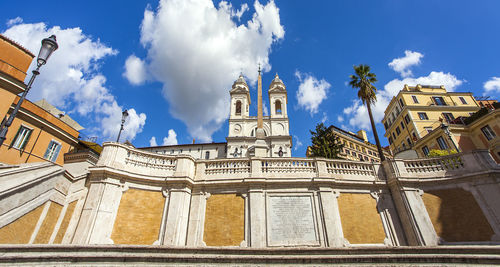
{"x":98,"y":215}
{"x":257,"y":213}
{"x":176,"y":223}
{"x":106,"y":215}
{"x":197,"y":219}
{"x":410,"y":227}
{"x":331,"y":217}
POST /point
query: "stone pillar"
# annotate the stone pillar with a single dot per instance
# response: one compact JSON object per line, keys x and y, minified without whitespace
{"x":410,"y":227}
{"x":331,"y":217}
{"x":176,"y":223}
{"x":197,"y":219}
{"x":106,"y":215}
{"x":257,"y":212}
{"x":98,"y":215}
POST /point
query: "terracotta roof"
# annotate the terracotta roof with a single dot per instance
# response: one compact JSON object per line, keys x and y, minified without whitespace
{"x":17,"y":45}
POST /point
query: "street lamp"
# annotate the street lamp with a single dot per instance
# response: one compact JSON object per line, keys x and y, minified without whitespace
{"x":49,"y":45}
{"x":124,"y":117}
{"x":446,"y":130}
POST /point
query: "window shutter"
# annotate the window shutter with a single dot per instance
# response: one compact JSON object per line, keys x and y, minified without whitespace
{"x":26,"y":140}
{"x":56,"y":154}
{"x":47,"y":152}
{"x":15,"y":137}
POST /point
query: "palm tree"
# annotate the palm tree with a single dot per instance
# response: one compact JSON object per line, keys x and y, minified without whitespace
{"x":363,"y":80}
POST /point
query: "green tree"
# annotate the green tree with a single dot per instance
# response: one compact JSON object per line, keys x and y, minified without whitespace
{"x":363,"y":80}
{"x":325,"y":143}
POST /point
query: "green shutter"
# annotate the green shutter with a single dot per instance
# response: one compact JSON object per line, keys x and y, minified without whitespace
{"x":15,"y":137}
{"x":26,"y":140}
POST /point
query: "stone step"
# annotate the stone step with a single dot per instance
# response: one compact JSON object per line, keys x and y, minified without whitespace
{"x":109,"y":255}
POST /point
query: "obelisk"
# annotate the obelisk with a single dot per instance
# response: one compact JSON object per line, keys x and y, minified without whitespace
{"x":260,"y":142}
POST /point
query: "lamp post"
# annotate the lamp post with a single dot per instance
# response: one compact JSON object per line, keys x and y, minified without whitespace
{"x":124,"y":117}
{"x":49,"y":45}
{"x":446,"y":130}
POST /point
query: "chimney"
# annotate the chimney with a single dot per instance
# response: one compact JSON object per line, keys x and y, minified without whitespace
{"x":362,"y":134}
{"x":194,"y":140}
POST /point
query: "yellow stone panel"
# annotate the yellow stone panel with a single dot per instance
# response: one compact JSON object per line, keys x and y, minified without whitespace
{"x":361,"y":222}
{"x":20,"y":230}
{"x":65,"y":222}
{"x":47,"y":228}
{"x":224,"y":220}
{"x":456,"y":216}
{"x":139,"y":217}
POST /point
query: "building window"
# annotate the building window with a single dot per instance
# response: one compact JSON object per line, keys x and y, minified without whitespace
{"x":414,"y":136}
{"x":428,"y":129}
{"x":462,"y":99}
{"x":439,"y":101}
{"x":401,"y":103}
{"x":21,"y":138}
{"x":415,"y":99}
{"x":425,"y":149}
{"x":390,"y":140}
{"x":407,"y":119}
{"x":385,"y":125}
{"x":180,"y":151}
{"x":448,"y":116}
{"x":394,"y":135}
{"x":207,"y":155}
{"x":409,"y":141}
{"x":277,"y":106}
{"x":402,"y":125}
{"x":238,"y":108}
{"x":423,"y":116}
{"x":347,"y":152}
{"x":354,"y":154}
{"x":52,"y":151}
{"x":398,"y":131}
{"x":488,"y":132}
{"x":442,"y":144}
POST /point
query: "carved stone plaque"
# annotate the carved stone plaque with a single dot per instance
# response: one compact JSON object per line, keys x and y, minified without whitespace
{"x":291,"y":221}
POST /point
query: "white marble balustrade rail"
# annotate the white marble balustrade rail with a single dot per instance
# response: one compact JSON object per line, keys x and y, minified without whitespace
{"x":227,"y":167}
{"x":140,"y":162}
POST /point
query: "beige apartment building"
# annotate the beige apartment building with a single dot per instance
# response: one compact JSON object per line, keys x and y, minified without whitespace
{"x":419,"y":110}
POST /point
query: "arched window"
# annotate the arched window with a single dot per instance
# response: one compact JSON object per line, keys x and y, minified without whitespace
{"x":238,"y":107}
{"x":277,"y":107}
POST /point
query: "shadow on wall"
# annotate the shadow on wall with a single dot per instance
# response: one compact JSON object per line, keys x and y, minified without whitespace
{"x":456,"y":216}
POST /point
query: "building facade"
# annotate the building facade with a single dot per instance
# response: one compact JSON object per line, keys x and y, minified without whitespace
{"x":416,"y":111}
{"x":40,"y":132}
{"x":356,"y":146}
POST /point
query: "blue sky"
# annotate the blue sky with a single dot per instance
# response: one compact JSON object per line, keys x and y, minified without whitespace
{"x":173,"y":63}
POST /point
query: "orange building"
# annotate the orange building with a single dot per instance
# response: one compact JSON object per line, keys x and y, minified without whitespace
{"x":39,"y":132}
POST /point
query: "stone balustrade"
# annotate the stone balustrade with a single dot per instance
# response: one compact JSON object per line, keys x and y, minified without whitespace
{"x":147,"y":163}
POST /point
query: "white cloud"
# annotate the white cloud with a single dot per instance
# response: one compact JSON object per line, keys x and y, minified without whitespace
{"x":71,"y":80}
{"x":492,"y":85}
{"x":171,"y":139}
{"x":358,"y":114}
{"x":324,"y":118}
{"x":298,"y":143}
{"x":14,"y":21}
{"x":152,"y":141}
{"x":197,"y":51}
{"x":265,"y":110}
{"x":403,"y":64}
{"x":340,"y":118}
{"x":311,"y":92}
{"x":135,"y":70}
